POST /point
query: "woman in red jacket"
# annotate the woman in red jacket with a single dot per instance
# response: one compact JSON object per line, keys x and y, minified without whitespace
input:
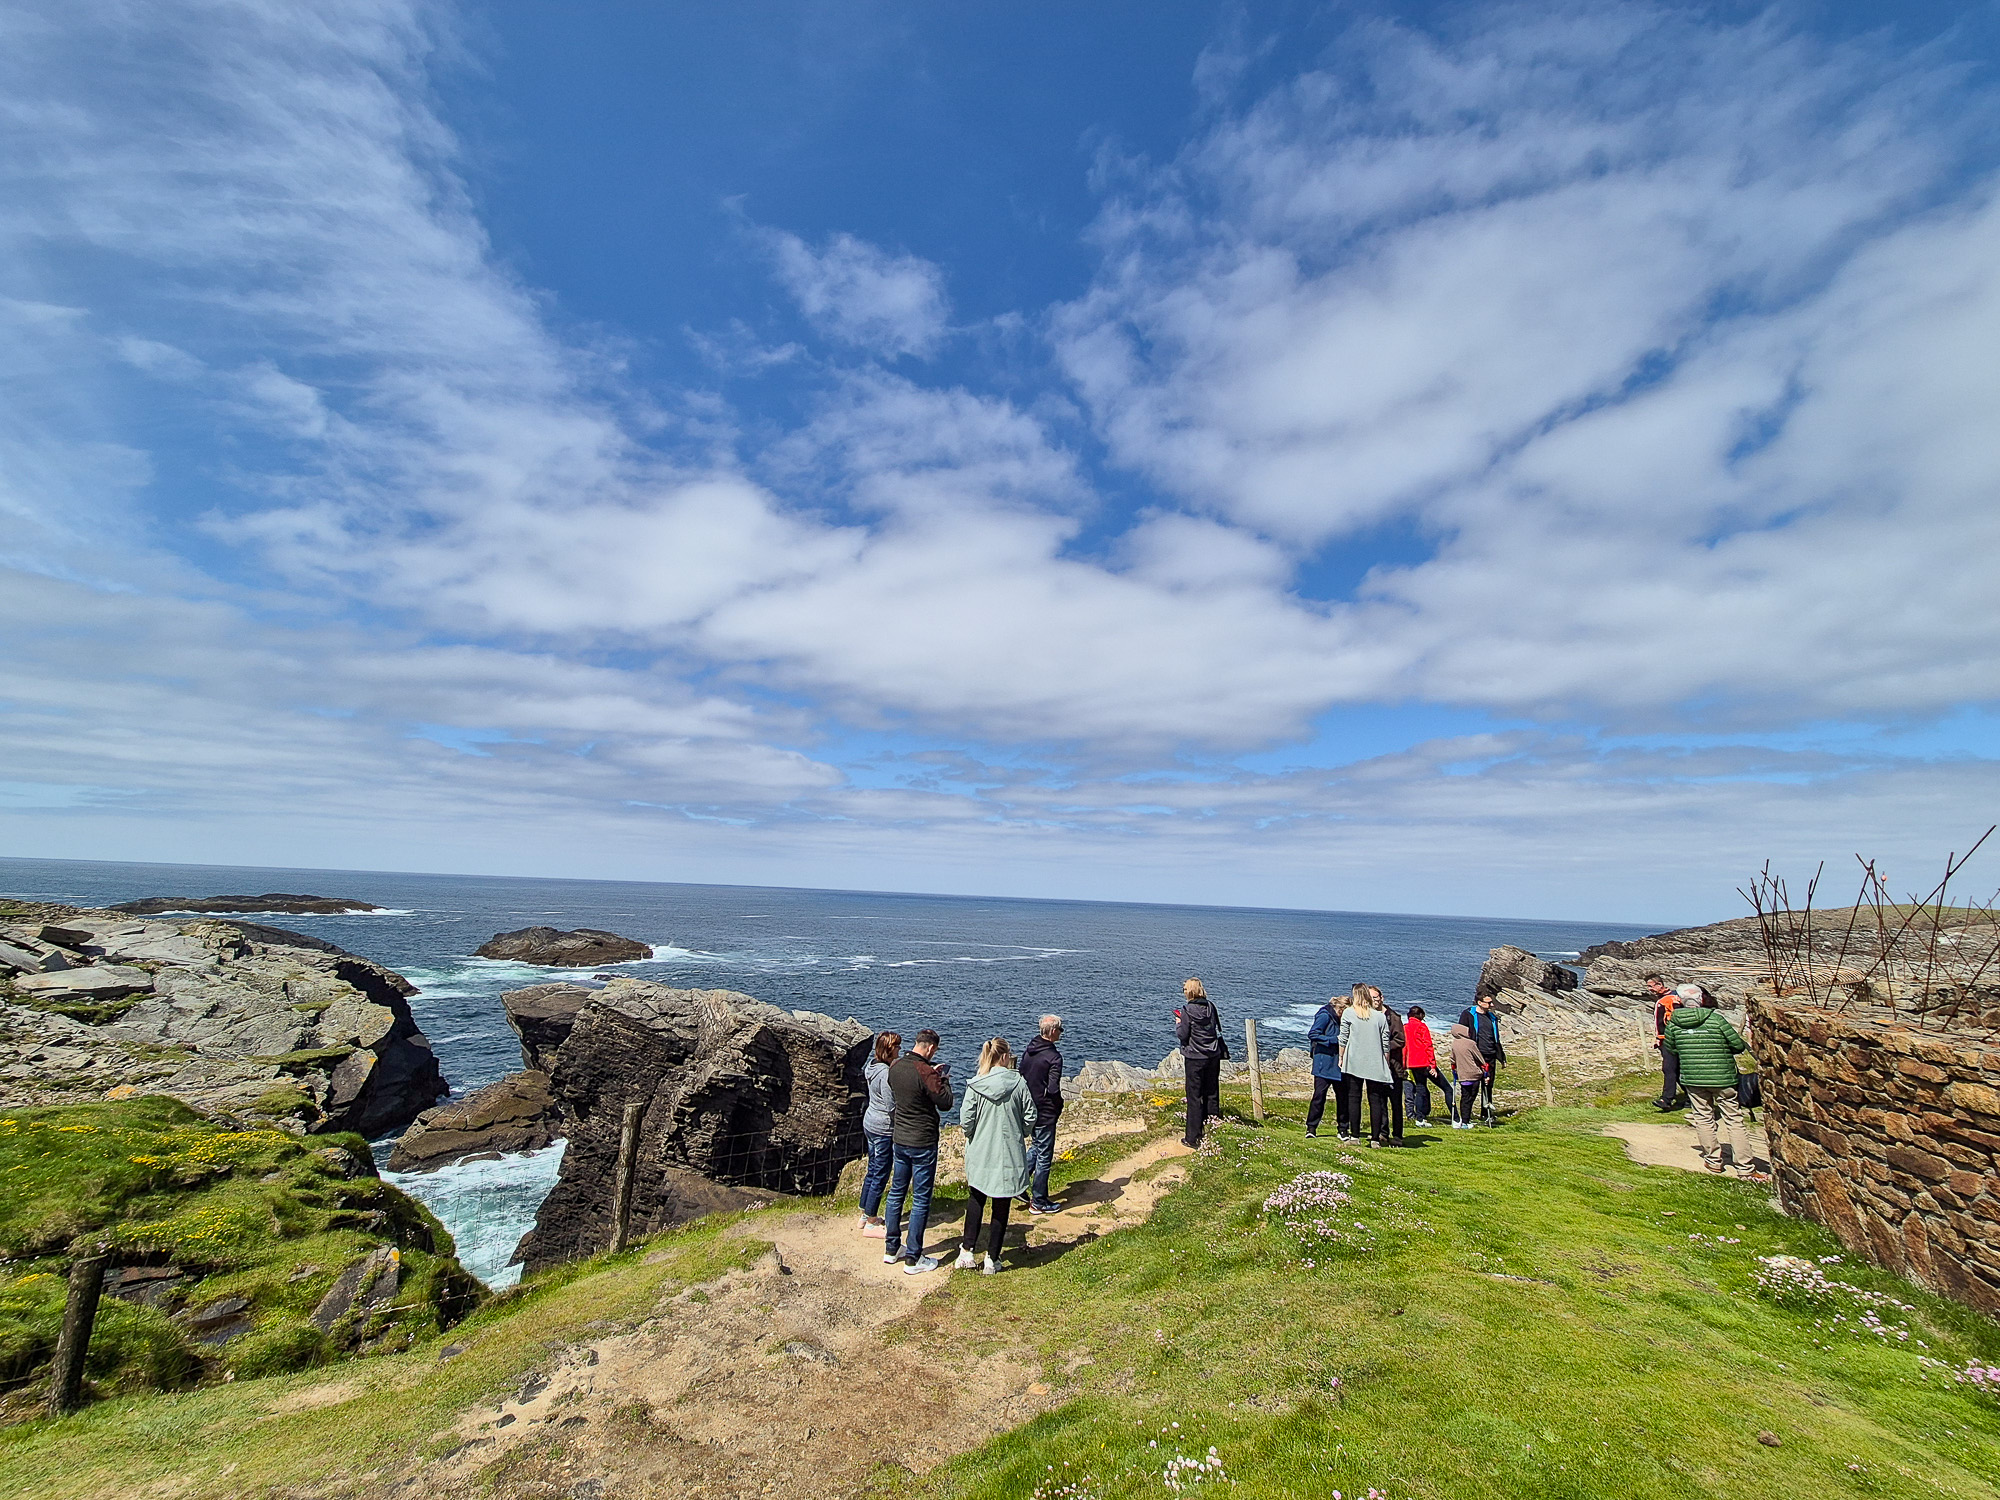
{"x":1420,"y":1058}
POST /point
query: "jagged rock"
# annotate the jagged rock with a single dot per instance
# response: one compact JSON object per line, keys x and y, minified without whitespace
{"x":1510,"y":968}
{"x":331,"y":906}
{"x":515,"y":1114}
{"x":366,"y":1284}
{"x":311,"y":1037}
{"x":1115,"y":1077}
{"x":1291,"y":1059}
{"x":542,"y":1016}
{"x":733,"y":1091}
{"x":583,"y":948}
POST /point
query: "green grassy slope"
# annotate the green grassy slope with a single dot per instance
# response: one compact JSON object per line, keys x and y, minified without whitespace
{"x":257,"y":1215}
{"x":1526,"y":1313}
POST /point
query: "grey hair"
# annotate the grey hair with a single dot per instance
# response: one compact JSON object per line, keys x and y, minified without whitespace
{"x":1051,"y":1023}
{"x":1688,"y":992}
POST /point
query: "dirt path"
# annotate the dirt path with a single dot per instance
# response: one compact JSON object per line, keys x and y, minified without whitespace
{"x":1670,"y":1143}
{"x":819,"y":1372}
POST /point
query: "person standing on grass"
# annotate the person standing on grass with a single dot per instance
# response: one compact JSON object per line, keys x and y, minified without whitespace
{"x":877,"y":1126}
{"x":1700,"y":1036}
{"x":1468,"y":1073}
{"x":1482,"y":1020}
{"x":1198,"y":1025}
{"x":1664,"y":1000}
{"x":922,"y":1089}
{"x":1398,"y":1072}
{"x":1041,"y":1070}
{"x":1364,"y":1060}
{"x":1420,"y":1059}
{"x":1323,"y":1036}
{"x":998,"y":1116}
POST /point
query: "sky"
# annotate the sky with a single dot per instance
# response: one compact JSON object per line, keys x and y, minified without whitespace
{"x":1524,"y":460}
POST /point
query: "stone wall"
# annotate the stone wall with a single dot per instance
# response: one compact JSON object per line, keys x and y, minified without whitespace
{"x":1890,"y":1137}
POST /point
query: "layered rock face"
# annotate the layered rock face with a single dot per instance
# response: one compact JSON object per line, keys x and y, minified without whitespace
{"x":274,"y":1025}
{"x":543,"y":1016}
{"x":735,"y":1094}
{"x":584,"y":948}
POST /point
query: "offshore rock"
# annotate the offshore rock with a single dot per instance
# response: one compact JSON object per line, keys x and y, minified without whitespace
{"x":542,"y":1016}
{"x":584,"y":948}
{"x":733,"y":1091}
{"x":516,"y":1114}
{"x":309,"y":1038}
{"x":330,"y":906}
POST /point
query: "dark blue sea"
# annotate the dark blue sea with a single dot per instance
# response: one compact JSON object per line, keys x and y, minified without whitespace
{"x":969,"y":967}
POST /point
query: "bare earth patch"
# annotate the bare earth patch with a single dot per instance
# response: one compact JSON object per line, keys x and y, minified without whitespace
{"x":819,"y":1372}
{"x":1672,"y":1144}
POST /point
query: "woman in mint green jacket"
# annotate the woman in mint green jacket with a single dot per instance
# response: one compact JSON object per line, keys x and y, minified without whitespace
{"x":998,"y":1116}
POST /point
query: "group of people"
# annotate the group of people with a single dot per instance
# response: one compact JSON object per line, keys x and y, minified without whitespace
{"x":1363,"y":1052}
{"x":1372,"y":1061}
{"x":1009,"y":1117}
{"x":1698,"y":1071}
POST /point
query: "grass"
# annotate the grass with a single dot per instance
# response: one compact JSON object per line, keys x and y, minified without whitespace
{"x":332,"y":1428}
{"x":257,"y":1214}
{"x":1527,"y":1313}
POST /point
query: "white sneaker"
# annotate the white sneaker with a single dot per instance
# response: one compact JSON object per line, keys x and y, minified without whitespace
{"x":890,"y":1260}
{"x":966,"y":1261}
{"x":991,"y":1268}
{"x":918,"y":1267}
{"x":875,"y":1228}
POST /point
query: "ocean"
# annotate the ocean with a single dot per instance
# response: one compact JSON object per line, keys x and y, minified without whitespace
{"x":968,"y":967}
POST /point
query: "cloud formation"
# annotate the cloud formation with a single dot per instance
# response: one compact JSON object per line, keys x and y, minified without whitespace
{"x":1667,"y":345}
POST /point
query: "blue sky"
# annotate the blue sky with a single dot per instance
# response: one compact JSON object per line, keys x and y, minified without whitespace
{"x":1526,"y":460}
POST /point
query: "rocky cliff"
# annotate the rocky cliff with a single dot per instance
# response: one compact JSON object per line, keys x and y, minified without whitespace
{"x":240,"y":1021}
{"x":737,"y":1096}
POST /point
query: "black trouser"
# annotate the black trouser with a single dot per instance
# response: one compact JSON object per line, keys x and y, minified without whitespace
{"x":1468,"y":1101}
{"x":1318,"y":1106}
{"x":1396,"y":1109}
{"x":1670,"y":1077}
{"x":975,"y":1209}
{"x":1347,"y":1106}
{"x":1379,"y":1095}
{"x":1204,"y":1096}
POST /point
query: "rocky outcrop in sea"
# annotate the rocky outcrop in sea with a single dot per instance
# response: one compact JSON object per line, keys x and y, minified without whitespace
{"x":238,"y":1020}
{"x":272,"y":901}
{"x":583,"y":948}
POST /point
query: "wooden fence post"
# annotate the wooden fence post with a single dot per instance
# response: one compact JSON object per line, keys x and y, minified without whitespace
{"x":1548,"y":1083}
{"x":1256,"y":1069}
{"x":86,"y":1282}
{"x":628,"y":1159}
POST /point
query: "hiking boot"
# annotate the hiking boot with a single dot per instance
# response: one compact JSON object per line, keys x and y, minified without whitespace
{"x":965,"y":1262}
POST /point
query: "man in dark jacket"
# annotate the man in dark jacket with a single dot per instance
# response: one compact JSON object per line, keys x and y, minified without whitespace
{"x":1199,"y":1029}
{"x":1041,"y":1070}
{"x":1482,"y":1019}
{"x":922,"y":1089}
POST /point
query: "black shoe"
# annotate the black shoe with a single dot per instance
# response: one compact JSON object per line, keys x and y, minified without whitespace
{"x":1312,"y":1135}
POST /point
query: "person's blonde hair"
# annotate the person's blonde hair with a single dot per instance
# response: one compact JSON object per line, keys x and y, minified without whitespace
{"x":1192,"y":989}
{"x":1360,"y":999}
{"x":995,"y":1054}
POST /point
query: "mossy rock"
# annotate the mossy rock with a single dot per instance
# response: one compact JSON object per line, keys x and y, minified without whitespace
{"x":263,"y":1215}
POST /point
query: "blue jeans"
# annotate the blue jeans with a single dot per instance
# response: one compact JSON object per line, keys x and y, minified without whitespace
{"x":880,"y":1149}
{"x":1041,"y":1158}
{"x":915,"y":1172}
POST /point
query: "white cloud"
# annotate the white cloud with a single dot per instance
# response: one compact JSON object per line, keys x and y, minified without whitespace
{"x":886,"y":304}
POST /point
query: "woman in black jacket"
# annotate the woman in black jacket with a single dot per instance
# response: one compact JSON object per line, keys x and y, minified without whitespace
{"x":1199,"y":1028}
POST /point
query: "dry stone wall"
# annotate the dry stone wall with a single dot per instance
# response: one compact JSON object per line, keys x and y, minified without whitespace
{"x":1890,"y":1137}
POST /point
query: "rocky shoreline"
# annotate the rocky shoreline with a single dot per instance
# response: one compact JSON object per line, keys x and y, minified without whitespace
{"x":243,"y":1022}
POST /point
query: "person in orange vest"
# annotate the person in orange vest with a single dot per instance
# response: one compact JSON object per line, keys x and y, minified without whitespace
{"x":1671,"y":1098}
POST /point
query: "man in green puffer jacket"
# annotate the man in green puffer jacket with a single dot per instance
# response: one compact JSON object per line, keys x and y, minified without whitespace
{"x":1706,"y":1044}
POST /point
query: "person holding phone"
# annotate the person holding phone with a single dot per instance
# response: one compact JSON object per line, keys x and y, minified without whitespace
{"x":922,"y":1089}
{"x":1198,"y":1025}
